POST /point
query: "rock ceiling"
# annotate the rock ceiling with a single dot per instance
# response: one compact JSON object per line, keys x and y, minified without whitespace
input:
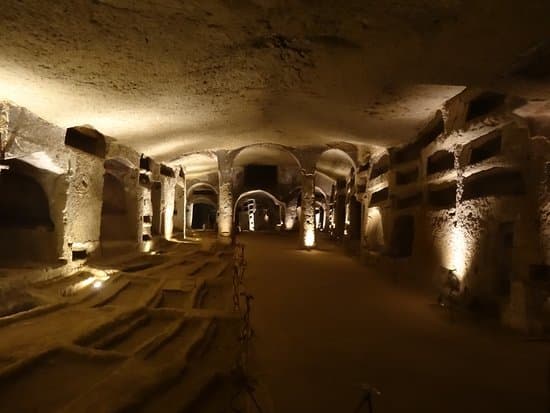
{"x":171,"y":76}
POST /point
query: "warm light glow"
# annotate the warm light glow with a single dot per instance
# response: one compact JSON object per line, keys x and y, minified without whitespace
{"x":458,"y":252}
{"x":98,"y":284}
{"x":147,"y":246}
{"x":169,"y":214}
{"x":309,"y":238}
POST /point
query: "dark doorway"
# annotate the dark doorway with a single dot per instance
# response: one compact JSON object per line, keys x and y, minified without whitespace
{"x":115,"y":223}
{"x":504,"y":254}
{"x":156,"y":201}
{"x":204,"y":216}
{"x":354,"y":219}
{"x":340,"y":220}
{"x":402,"y":236}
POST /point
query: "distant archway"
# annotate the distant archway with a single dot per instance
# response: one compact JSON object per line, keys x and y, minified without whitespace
{"x":273,"y":168}
{"x":252,"y":212}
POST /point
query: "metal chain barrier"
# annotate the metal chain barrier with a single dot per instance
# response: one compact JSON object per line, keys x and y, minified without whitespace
{"x":239,"y":266}
{"x":245,"y":383}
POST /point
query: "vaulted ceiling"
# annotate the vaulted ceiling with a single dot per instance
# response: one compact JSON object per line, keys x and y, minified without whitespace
{"x":170,"y":77}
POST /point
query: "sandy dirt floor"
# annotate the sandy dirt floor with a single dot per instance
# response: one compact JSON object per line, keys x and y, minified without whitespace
{"x":159,"y":335}
{"x":325,"y":324}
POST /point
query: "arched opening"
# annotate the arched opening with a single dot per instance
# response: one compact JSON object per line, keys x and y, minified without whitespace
{"x":374,"y":232}
{"x":118,"y":214}
{"x":354,"y":222}
{"x":202,"y":206}
{"x":338,"y":166}
{"x":258,"y":210}
{"x":269,"y":167}
{"x":203,"y":216}
{"x":179,"y":208}
{"x":402,"y":238}
{"x":28,"y":230}
{"x":320,"y":216}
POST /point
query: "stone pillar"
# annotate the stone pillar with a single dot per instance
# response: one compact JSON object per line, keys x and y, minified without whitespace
{"x":291,"y":213}
{"x":307,"y":222}
{"x":168,"y":198}
{"x":225,"y":200}
{"x":184,"y":205}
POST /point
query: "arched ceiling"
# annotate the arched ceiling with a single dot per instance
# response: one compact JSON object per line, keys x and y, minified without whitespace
{"x":197,"y":163}
{"x":170,"y":77}
{"x":265,"y":155}
{"x":335,"y":163}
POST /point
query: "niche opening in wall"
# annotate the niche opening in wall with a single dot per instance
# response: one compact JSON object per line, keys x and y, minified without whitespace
{"x":78,"y":255}
{"x":440,"y":161}
{"x":442,"y":196}
{"x":494,"y":182}
{"x":87,"y":140}
{"x":402,"y":236}
{"x":406,"y":177}
{"x":380,"y":167}
{"x":380,"y":196}
{"x":409,"y":201}
{"x":484,"y":104}
{"x":486,"y":149}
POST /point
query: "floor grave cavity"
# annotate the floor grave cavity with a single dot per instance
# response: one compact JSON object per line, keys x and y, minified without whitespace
{"x":183,"y":338}
{"x":174,"y":299}
{"x":130,"y":337}
{"x":215,"y":357}
{"x":61,"y":376}
{"x":129,"y":295}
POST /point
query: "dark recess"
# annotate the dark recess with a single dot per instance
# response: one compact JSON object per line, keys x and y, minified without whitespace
{"x":23,"y":202}
{"x":429,"y":134}
{"x":380,"y":196}
{"x":406,"y":177}
{"x":144,"y":180}
{"x":79,"y":255}
{"x":146,"y":237}
{"x":206,"y":191}
{"x":145,"y":163}
{"x":87,"y":140}
{"x":495,"y":182}
{"x":443,"y":196}
{"x":364,"y":167}
{"x":539,"y":272}
{"x":167,"y":171}
{"x":440,"y":161}
{"x":381,"y":167}
{"x":484,"y":104}
{"x":409,"y":202}
{"x":260,"y":177}
{"x":535,"y":63}
{"x":486,"y":150}
{"x":114,"y":196}
{"x":148,"y":219}
{"x":402,"y":237}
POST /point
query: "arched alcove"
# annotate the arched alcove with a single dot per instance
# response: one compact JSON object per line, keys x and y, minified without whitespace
{"x":374,"y":231}
{"x":258,"y":210}
{"x":118,"y":223}
{"x":28,"y":229}
{"x":338,"y":166}
{"x":203,"y":214}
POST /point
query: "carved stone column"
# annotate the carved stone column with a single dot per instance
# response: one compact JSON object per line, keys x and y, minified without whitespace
{"x":225,"y":196}
{"x":307,"y":222}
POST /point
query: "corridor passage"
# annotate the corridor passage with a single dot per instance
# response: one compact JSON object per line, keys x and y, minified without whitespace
{"x":325,"y":324}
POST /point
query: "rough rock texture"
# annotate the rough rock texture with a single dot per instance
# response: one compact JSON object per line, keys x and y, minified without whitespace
{"x":172,"y":78}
